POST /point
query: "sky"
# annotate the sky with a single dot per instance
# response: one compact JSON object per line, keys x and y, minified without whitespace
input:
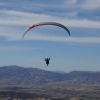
{"x":80,"y":51}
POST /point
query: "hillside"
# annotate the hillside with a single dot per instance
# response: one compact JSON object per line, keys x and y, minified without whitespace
{"x":20,"y":75}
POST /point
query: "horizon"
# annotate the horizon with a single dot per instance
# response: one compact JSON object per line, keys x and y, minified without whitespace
{"x":59,"y":71}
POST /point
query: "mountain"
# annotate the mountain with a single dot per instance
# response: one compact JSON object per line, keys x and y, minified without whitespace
{"x":15,"y":75}
{"x":84,"y":77}
{"x":61,"y":72}
{"x":20,"y":75}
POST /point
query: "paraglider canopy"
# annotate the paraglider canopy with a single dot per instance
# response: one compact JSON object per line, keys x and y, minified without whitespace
{"x":46,"y":23}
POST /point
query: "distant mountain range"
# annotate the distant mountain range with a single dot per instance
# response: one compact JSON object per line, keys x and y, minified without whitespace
{"x":15,"y":75}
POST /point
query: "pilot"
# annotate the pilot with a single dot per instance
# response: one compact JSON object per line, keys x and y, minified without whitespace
{"x":47,"y":60}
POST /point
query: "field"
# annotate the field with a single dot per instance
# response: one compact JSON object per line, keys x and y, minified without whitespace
{"x":51,"y":91}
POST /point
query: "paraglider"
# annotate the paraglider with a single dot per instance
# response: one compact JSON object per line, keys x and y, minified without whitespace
{"x":46,"y":23}
{"x":47,"y":60}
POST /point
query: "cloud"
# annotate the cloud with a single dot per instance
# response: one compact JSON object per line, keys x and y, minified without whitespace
{"x":13,"y":24}
{"x":52,"y":7}
{"x":15,"y":34}
{"x":14,"y":48}
{"x":22,"y":18}
{"x":82,"y":4}
{"x":90,"y":40}
{"x":90,"y":4}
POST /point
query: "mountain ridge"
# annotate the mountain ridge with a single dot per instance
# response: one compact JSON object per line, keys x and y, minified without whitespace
{"x":20,"y":75}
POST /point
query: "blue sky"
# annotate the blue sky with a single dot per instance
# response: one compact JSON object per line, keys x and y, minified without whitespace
{"x":80,"y":51}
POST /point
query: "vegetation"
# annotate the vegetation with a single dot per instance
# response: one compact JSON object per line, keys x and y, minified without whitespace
{"x":18,"y":83}
{"x":52,"y":91}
